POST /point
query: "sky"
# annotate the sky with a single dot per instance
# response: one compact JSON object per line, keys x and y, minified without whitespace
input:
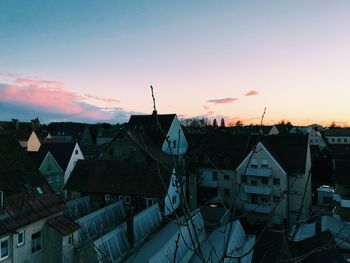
{"x":94,"y":61}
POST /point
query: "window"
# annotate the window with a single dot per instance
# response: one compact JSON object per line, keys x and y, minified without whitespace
{"x":215,"y":176}
{"x":264,"y":163}
{"x":127,"y":200}
{"x":174,"y":144}
{"x":58,"y":178}
{"x":276,"y":181}
{"x":226,"y":192}
{"x":243,"y":178}
{"x":121,"y":197}
{"x":227,"y":177}
{"x":39,"y":190}
{"x":149,"y":202}
{"x":264,"y":180}
{"x":254,"y":199}
{"x":4,"y":248}
{"x":345,"y":140}
{"x":20,"y":238}
{"x":173,"y":199}
{"x":107,"y":197}
{"x":339,"y":140}
{"x":70,"y":240}
{"x":36,"y":242}
{"x":254,"y":163}
{"x":76,"y":152}
{"x":332,"y":140}
{"x":49,"y":179}
{"x":254,"y":182}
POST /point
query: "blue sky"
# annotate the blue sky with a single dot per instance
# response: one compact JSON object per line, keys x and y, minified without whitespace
{"x":294,"y":54}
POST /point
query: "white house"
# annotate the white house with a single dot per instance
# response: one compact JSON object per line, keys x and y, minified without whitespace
{"x":275,"y":180}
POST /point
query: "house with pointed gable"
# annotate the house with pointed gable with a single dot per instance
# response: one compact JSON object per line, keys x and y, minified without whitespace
{"x":26,"y":204}
{"x":275,"y":180}
{"x":50,"y":169}
{"x":65,"y":154}
{"x":164,"y":130}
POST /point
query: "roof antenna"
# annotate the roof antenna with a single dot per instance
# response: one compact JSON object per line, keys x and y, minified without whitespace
{"x":262,"y":117}
{"x":154,"y":102}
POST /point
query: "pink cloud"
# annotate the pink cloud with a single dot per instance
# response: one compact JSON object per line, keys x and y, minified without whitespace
{"x":107,"y":100}
{"x":252,"y":93}
{"x":223,"y":101}
{"x":52,"y":97}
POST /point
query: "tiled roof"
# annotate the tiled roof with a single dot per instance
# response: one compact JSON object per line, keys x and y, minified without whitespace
{"x":63,"y":224}
{"x":120,"y":177}
{"x":27,"y":197}
{"x":289,"y":150}
{"x":154,"y":126}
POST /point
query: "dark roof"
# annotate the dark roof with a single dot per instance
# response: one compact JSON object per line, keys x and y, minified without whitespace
{"x":225,"y":151}
{"x":73,"y":129}
{"x":120,"y":177}
{"x":22,"y":132}
{"x":283,"y":129}
{"x":271,"y":247}
{"x":342,"y":171}
{"x":154,"y":126}
{"x":37,"y":157}
{"x":340,"y":151}
{"x":323,"y":249}
{"x":63,"y":224}
{"x":290,"y":151}
{"x":62,"y":152}
{"x":27,"y":197}
{"x":337,"y":132}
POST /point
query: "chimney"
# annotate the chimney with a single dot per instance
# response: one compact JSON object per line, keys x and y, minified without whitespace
{"x":130,"y":225}
{"x":15,"y":123}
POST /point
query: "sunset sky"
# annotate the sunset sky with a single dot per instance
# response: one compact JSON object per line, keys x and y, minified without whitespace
{"x":95,"y":60}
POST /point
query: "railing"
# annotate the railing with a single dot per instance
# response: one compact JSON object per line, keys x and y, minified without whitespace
{"x":259,"y":190}
{"x":260,"y":172}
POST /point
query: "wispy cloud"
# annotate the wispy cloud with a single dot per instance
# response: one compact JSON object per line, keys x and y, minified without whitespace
{"x":222,"y":101}
{"x":53,"y":99}
{"x":252,"y":93}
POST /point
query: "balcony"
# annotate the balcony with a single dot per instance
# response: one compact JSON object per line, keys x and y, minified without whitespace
{"x":257,"y":208}
{"x":259,"y":190}
{"x":344,"y":202}
{"x":260,"y":172}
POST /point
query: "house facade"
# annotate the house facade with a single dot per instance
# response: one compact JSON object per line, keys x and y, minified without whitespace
{"x":272,"y":181}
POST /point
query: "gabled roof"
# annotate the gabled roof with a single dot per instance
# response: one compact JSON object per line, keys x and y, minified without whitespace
{"x":119,"y":177}
{"x":283,"y":129}
{"x":155,"y":126}
{"x":73,"y":129}
{"x":225,"y":151}
{"x":290,"y":151}
{"x":27,"y":197}
{"x":37,"y":157}
{"x":62,"y":152}
{"x":22,"y":132}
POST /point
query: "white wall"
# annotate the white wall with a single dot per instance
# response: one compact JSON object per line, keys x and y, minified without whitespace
{"x":173,"y":135}
{"x":173,"y":190}
{"x":72,"y":162}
